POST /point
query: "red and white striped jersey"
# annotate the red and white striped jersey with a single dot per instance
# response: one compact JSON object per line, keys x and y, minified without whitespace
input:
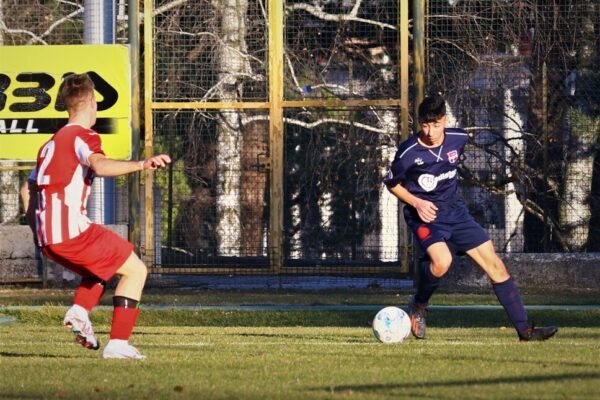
{"x":64,"y":177}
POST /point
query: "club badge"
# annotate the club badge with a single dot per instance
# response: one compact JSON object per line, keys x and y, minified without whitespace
{"x":452,"y":156}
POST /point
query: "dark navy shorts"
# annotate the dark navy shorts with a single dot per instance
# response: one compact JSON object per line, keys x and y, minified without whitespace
{"x":460,"y":236}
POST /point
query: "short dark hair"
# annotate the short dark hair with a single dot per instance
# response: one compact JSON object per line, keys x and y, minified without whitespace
{"x":74,"y":89}
{"x":431,"y":109}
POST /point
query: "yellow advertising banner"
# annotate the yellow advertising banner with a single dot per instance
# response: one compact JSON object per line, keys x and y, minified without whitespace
{"x":29,"y":111}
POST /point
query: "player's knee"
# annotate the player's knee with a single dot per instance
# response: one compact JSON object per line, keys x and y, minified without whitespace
{"x":440,"y":266}
{"x":134,"y":268}
{"x":501,"y":274}
{"x":141,"y":271}
{"x":497,"y":271}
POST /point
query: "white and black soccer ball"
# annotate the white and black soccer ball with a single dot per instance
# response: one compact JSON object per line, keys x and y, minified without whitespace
{"x":391,"y":325}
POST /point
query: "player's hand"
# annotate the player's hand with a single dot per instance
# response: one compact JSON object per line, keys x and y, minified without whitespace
{"x":427,"y":210}
{"x":159,"y":161}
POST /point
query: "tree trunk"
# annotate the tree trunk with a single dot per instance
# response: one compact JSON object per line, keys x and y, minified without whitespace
{"x":254,"y":182}
{"x":388,"y":204}
{"x":584,"y":129}
{"x":231,"y":64}
{"x":575,"y":210}
{"x":513,"y":123}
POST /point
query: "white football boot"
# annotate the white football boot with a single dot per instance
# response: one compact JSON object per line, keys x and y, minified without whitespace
{"x":117,"y":348}
{"x":78,"y":321}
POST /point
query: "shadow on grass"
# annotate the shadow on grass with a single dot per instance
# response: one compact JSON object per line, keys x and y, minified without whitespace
{"x":512,"y":361}
{"x":142,"y":333}
{"x":322,"y":318}
{"x":375,"y":388}
{"x":493,"y":318}
{"x":18,"y":395}
{"x":31,"y":355}
{"x":300,"y":337}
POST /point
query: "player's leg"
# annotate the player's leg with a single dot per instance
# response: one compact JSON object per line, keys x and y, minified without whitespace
{"x":87,"y":295}
{"x":432,"y":238}
{"x":125,"y":313}
{"x":507,"y":292}
{"x":89,"y":292}
{"x":439,"y":261}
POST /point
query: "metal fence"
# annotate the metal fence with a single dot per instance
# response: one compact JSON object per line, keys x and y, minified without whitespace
{"x":522,"y":76}
{"x":283,"y":117}
{"x":53,"y":23}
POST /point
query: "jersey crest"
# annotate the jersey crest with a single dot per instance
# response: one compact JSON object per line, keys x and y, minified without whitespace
{"x":452,"y":156}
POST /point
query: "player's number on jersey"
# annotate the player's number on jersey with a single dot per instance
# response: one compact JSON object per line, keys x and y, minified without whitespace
{"x":46,"y":154}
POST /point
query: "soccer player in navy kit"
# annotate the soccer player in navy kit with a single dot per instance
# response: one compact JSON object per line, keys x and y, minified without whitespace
{"x":423,"y":175}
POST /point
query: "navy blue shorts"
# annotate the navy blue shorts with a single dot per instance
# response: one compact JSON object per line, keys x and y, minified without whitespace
{"x":460,"y":236}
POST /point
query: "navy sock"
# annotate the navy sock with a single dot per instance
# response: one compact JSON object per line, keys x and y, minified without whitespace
{"x":510,"y":298}
{"x":428,"y":283}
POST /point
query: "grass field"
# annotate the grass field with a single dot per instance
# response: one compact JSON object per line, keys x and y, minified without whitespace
{"x":303,"y":354}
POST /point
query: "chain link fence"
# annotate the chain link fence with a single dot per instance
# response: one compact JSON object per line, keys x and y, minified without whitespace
{"x":215,"y":200}
{"x":522,"y":77}
{"x":52,"y":23}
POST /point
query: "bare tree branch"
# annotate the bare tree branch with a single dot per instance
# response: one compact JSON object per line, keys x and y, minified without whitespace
{"x":221,"y":42}
{"x":166,"y":7}
{"x":34,"y":37}
{"x":59,"y":22}
{"x":317,"y":12}
{"x":311,"y":125}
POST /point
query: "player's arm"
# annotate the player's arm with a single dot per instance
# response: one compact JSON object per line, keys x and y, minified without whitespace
{"x":425,"y":209}
{"x":104,"y":166}
{"x":32,"y":207}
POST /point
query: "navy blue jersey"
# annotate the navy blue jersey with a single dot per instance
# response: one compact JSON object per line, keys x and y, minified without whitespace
{"x":430,"y":173}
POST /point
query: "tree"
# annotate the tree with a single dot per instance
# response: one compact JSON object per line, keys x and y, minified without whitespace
{"x":582,"y":131}
{"x":520,"y":147}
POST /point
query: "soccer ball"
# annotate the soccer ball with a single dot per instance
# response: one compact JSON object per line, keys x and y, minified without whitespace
{"x":391,"y":325}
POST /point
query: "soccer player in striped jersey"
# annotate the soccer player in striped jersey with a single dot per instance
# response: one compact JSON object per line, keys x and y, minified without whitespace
{"x":423,"y":175}
{"x":60,"y":186}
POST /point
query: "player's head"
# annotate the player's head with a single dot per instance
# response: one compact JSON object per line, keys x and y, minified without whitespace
{"x":432,"y":119}
{"x":77,"y":92}
{"x":431,"y":109}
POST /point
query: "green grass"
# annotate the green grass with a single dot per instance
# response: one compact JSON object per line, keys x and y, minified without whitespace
{"x":10,"y":296}
{"x":302,"y":363}
{"x":299,"y":354}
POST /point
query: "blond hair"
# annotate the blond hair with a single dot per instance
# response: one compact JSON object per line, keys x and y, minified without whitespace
{"x":75,"y":89}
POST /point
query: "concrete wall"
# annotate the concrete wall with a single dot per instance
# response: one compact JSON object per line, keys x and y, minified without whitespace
{"x":554,"y":270}
{"x":532,"y":270}
{"x":17,"y":253}
{"x":20,"y":261}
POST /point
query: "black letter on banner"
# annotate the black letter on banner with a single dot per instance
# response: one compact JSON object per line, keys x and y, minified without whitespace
{"x":60,"y":104}
{"x":109,"y":94}
{"x":42,"y":99}
{"x":4,"y":82}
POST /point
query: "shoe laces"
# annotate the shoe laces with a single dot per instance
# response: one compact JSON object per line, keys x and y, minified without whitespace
{"x":87,"y":328}
{"x":84,"y":325}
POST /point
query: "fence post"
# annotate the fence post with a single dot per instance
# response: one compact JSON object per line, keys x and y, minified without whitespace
{"x":419,"y":54}
{"x":133,"y":180}
{"x":276,"y":193}
{"x":148,"y":130}
{"x":405,"y":132}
